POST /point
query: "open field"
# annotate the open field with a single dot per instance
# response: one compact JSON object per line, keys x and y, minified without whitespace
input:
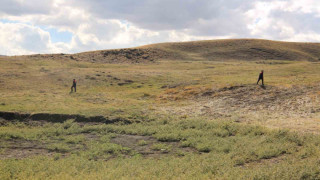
{"x":178,"y":110}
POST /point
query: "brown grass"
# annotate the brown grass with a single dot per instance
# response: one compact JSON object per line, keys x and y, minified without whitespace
{"x":213,"y":50}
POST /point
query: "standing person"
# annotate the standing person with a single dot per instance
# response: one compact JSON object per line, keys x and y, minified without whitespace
{"x":261,"y":78}
{"x":74,"y":85}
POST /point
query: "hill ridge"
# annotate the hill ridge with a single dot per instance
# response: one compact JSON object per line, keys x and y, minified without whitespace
{"x":209,"y":50}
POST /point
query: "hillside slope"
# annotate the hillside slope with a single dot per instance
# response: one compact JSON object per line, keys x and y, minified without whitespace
{"x":242,"y":49}
{"x":212,"y":50}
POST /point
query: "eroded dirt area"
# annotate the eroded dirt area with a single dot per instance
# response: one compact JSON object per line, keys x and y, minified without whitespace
{"x":294,"y":107}
{"x":288,"y":101}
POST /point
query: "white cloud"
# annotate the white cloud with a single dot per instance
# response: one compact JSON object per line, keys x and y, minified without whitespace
{"x":18,"y":39}
{"x":96,"y":24}
{"x":285,"y":20}
{"x":21,"y":7}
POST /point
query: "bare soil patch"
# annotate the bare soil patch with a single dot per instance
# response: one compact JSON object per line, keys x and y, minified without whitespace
{"x":145,"y":145}
{"x":297,"y":100}
{"x":130,"y":55}
{"x":263,"y":162}
{"x":295,"y":107}
{"x":22,"y":149}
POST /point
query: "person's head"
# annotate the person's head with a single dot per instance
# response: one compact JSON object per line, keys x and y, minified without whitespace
{"x":262,"y":71}
{"x":74,"y":79}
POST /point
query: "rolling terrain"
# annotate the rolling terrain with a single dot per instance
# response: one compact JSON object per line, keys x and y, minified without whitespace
{"x":210,"y":50}
{"x":188,"y":110}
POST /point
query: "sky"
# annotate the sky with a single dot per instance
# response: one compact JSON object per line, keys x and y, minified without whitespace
{"x":71,"y":26}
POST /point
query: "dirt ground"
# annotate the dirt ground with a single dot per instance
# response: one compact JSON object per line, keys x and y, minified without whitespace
{"x":19,"y":149}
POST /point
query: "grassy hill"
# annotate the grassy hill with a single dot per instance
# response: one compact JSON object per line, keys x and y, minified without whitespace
{"x":188,"y":79}
{"x":242,"y":49}
{"x":231,"y":49}
{"x":187,"y":110}
{"x":211,"y":50}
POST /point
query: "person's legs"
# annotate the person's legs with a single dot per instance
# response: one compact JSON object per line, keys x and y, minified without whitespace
{"x":71,"y":88}
{"x":75,"y":87}
{"x":258,"y":80}
{"x":262,"y":82}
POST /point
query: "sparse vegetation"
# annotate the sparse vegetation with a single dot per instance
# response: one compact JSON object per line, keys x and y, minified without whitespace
{"x":142,"y":143}
{"x":160,"y":147}
{"x":246,"y":152}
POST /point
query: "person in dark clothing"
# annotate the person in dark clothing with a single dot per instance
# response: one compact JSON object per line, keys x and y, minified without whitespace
{"x":261,"y":78}
{"x":74,"y":85}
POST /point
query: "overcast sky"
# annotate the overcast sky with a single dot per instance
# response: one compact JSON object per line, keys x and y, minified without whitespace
{"x":69,"y":26}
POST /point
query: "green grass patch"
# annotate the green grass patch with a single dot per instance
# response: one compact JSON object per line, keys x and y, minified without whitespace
{"x":220,"y":150}
{"x":161,"y":147}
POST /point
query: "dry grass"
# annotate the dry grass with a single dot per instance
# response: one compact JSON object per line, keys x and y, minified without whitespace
{"x":166,"y":88}
{"x":240,"y":49}
{"x":212,"y":50}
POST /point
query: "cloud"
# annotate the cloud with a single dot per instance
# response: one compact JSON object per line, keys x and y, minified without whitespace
{"x":285,"y":20}
{"x":31,"y":26}
{"x":21,"y":7}
{"x":212,"y":17}
{"x":18,"y":38}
